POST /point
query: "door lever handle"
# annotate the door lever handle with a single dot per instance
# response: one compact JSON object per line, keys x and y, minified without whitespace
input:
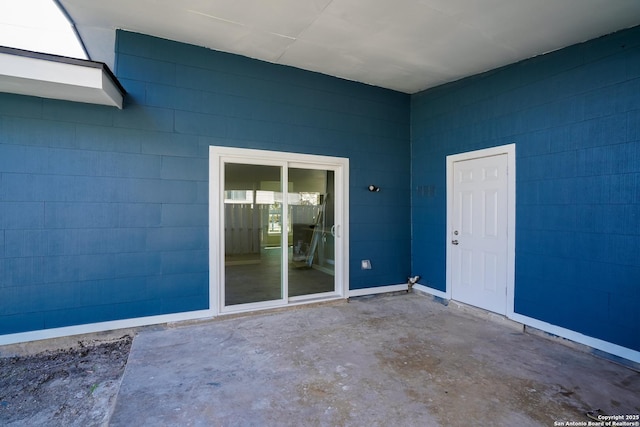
{"x":454,"y":242}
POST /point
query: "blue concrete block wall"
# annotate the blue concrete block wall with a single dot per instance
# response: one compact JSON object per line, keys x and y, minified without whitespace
{"x":104,"y":212}
{"x":574,"y":116}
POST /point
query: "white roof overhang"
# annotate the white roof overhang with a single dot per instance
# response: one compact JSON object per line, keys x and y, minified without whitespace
{"x":51,"y":76}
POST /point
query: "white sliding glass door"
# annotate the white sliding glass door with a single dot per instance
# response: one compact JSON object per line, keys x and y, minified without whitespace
{"x":272,"y":243}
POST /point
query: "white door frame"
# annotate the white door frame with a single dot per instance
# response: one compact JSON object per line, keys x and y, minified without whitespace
{"x":217,"y":157}
{"x":510,"y":151}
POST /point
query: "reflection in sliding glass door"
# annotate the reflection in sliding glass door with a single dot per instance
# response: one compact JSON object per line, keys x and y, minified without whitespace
{"x":252,"y":233}
{"x":312,"y":216}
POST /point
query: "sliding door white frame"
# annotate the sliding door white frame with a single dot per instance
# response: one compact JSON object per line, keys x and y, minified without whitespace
{"x":218,"y":156}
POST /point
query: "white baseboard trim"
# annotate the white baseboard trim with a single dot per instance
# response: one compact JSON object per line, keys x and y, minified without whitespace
{"x":43,"y":334}
{"x":377,"y":290}
{"x":430,"y":291}
{"x":593,"y":343}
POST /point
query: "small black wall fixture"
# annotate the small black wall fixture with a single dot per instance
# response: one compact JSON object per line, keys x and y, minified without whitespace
{"x":373,"y":188}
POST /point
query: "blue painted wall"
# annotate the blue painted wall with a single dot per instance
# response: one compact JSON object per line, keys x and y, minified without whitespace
{"x":575,"y":118}
{"x":104,"y":212}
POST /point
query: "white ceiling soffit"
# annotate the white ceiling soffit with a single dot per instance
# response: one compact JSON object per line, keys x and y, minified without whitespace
{"x":51,"y":76}
{"x":405,"y":45}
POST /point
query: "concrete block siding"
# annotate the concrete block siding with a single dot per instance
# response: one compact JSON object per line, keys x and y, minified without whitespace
{"x":104,"y":213}
{"x":574,"y":115}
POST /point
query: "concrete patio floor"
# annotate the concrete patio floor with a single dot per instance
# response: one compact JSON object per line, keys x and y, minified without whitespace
{"x":401,"y":360}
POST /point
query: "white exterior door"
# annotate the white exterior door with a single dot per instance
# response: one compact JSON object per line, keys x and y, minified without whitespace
{"x":478,"y":233}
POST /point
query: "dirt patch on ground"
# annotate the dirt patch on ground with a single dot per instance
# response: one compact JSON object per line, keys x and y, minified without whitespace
{"x":76,"y":386}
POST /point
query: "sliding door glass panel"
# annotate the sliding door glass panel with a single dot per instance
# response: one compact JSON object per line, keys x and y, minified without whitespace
{"x":253,"y":233}
{"x":311,"y":252}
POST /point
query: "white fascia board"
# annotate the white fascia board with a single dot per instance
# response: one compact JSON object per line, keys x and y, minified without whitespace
{"x":51,"y":76}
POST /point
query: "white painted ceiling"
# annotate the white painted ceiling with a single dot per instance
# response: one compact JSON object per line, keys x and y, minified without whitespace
{"x":405,"y":45}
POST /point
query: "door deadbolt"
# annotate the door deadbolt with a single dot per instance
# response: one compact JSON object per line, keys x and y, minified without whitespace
{"x":455,"y":233}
